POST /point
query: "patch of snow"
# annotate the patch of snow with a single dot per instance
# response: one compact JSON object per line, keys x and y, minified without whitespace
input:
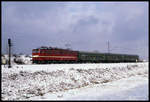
{"x":18,"y":59}
{"x":133,"y":88}
{"x":26,"y":81}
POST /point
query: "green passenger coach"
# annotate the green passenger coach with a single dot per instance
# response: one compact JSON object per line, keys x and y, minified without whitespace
{"x":106,"y":57}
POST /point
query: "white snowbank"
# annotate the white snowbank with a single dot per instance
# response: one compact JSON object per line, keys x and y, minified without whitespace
{"x":18,"y":59}
{"x":23,"y":59}
{"x":25,"y":81}
{"x":132,"y":88}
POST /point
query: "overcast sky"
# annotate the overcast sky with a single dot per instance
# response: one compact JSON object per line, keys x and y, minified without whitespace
{"x":86,"y":26}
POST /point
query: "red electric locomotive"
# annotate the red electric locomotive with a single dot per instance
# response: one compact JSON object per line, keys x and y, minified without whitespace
{"x":53,"y":55}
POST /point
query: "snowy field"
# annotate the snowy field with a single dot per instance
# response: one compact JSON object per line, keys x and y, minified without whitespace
{"x":111,"y":81}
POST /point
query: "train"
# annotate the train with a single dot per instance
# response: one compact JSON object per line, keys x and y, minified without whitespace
{"x":47,"y":55}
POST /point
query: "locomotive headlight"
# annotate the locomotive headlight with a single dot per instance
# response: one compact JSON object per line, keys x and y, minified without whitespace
{"x":35,"y":56}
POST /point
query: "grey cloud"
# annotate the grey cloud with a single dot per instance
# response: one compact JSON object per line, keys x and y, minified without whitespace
{"x":88,"y":21}
{"x":54,"y":23}
{"x":134,"y":29}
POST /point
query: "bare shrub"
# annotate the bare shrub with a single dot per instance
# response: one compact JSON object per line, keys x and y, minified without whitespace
{"x":105,"y":81}
{"x":13,"y":76}
{"x":80,"y":70}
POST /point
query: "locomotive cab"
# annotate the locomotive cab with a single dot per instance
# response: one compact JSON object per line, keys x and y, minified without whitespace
{"x":35,"y":54}
{"x":51,"y":55}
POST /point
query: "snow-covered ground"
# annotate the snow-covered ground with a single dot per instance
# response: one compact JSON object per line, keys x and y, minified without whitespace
{"x":111,"y":81}
{"x":133,"y":88}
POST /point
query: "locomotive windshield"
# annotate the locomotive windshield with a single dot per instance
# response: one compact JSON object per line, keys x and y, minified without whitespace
{"x":35,"y":51}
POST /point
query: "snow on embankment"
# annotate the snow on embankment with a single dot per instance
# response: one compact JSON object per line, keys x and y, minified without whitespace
{"x":25,"y":84}
{"x":23,"y":59}
{"x":17,"y":59}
